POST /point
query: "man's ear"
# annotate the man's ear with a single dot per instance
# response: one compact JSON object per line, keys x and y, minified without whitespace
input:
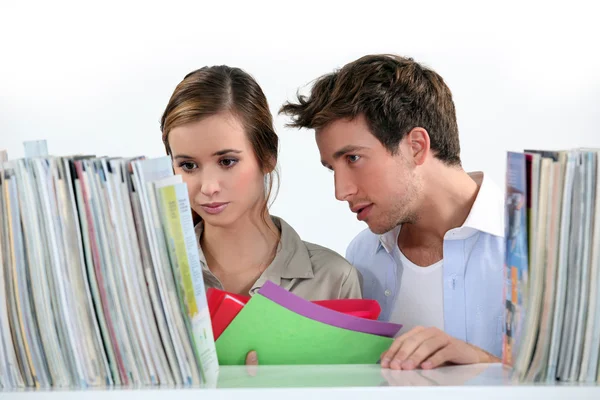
{"x":417,"y":141}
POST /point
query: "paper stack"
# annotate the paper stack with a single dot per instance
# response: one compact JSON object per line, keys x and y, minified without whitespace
{"x":100,"y":280}
{"x":552,"y":297}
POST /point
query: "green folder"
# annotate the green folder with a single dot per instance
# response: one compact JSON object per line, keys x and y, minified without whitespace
{"x":281,"y":336}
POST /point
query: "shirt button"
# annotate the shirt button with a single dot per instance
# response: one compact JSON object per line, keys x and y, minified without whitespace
{"x":388,"y":292}
{"x":452,"y":281}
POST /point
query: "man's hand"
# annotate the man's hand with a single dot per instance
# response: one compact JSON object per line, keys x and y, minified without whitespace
{"x":429,"y":348}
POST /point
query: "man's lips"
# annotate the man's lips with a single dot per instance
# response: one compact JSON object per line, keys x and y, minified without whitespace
{"x":362,"y":210}
{"x":357,"y":208}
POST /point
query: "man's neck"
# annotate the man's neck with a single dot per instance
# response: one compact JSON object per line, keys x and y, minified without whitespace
{"x":447,"y":200}
{"x":251,"y":239}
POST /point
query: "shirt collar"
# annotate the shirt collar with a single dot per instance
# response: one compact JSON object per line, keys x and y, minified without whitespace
{"x":487,"y":212}
{"x":389,"y":240}
{"x":292,"y":260}
{"x":486,"y":215}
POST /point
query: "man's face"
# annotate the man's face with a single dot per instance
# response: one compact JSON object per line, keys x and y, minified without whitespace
{"x":379,"y":187}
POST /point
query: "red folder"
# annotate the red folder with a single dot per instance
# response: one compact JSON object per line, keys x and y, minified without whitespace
{"x":224,"y":307}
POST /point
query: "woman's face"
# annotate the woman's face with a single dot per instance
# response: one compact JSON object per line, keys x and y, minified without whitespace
{"x":219,"y":166}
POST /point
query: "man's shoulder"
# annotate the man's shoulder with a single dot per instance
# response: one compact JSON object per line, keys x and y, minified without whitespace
{"x":363,"y":244}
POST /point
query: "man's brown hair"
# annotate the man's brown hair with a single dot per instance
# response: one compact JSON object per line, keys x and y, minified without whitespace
{"x":395,"y":95}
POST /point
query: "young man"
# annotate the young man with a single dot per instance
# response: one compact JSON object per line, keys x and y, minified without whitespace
{"x":433,"y":254}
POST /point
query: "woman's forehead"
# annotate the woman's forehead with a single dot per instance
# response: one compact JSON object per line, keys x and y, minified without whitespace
{"x":208,"y":136}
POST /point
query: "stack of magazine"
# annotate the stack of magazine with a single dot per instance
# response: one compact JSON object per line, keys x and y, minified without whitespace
{"x":101,"y":282}
{"x":552,"y":296}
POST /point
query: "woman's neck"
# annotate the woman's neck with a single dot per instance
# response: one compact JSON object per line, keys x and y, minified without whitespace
{"x":246,"y":247}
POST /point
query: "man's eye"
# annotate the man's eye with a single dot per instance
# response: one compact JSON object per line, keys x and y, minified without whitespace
{"x":353,"y":158}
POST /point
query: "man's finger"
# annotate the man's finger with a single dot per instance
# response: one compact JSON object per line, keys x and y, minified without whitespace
{"x":410,"y":344}
{"x":439,"y":358}
{"x":427,"y":348}
{"x":391,"y":352}
{"x":387,"y":356}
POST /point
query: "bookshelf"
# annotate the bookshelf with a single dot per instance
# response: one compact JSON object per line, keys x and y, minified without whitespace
{"x":349,"y":382}
{"x":148,"y":273}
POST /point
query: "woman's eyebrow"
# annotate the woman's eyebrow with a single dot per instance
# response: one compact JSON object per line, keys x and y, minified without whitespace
{"x":216,"y":153}
{"x":225,"y":151}
{"x":178,"y":156}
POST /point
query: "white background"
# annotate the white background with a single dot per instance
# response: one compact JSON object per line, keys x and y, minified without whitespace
{"x":95,"y":76}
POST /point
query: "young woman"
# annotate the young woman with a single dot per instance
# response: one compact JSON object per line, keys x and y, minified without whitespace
{"x":218,"y":129}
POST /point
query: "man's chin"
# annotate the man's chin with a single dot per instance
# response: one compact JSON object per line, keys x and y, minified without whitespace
{"x":378,"y":229}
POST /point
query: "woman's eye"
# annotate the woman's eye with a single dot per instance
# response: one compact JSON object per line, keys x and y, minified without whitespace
{"x":188,"y":166}
{"x":228,"y":162}
{"x":353,"y":158}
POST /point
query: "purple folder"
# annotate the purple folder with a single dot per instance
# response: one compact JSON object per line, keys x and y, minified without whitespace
{"x":330,"y":317}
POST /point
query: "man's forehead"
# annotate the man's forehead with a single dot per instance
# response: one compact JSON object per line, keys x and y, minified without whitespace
{"x":333,"y":142}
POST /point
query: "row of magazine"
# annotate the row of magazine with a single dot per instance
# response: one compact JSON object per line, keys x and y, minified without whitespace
{"x":101,"y":282}
{"x":552,"y":268}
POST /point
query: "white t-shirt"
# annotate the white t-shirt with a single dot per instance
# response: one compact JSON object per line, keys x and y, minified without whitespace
{"x":420,"y":300}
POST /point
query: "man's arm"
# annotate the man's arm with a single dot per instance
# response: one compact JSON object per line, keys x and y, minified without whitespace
{"x":429,"y":348}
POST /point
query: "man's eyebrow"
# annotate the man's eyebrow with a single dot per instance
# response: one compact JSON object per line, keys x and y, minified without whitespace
{"x":347,"y":149}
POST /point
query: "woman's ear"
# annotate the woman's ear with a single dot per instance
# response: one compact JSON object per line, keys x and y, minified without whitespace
{"x":270,"y":165}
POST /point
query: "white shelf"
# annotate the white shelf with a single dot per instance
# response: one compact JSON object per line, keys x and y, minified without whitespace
{"x":348,"y":382}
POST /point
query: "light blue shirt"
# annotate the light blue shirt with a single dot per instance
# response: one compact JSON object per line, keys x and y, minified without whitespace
{"x":473,"y":271}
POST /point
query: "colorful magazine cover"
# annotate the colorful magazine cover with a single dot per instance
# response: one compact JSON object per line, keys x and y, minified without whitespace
{"x":516,"y":255}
